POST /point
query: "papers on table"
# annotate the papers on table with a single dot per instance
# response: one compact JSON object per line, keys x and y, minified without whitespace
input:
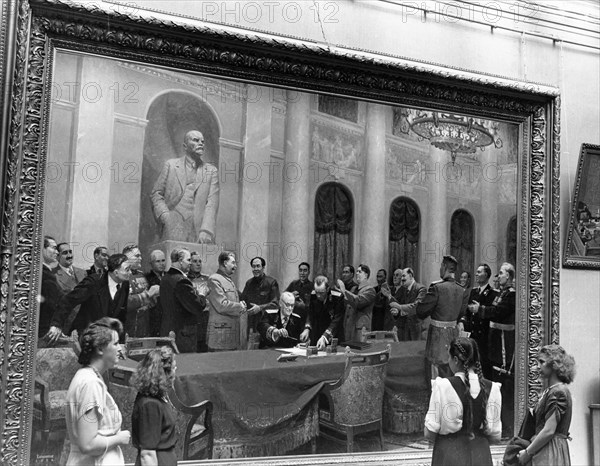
{"x":302,"y":352}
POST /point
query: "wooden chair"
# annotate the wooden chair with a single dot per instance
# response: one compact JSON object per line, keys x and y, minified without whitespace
{"x":55,"y":368}
{"x":379,"y":336}
{"x":138,"y":347}
{"x":195,"y":427}
{"x":354,"y":404}
{"x":124,"y":395}
{"x":194,"y":422}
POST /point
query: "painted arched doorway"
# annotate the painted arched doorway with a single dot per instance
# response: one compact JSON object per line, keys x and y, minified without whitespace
{"x":334,"y":216}
{"x":405,"y":229}
{"x":170,"y":116}
{"x":462,"y":232}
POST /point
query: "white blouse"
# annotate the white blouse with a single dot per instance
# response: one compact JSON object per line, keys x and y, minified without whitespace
{"x":446,"y":411}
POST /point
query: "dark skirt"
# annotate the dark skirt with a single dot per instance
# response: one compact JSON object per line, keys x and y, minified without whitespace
{"x":459,"y":450}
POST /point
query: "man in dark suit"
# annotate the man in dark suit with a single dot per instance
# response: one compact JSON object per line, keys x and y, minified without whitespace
{"x":100,"y":261}
{"x":404,"y":307}
{"x":325,"y":316}
{"x":181,"y":305}
{"x":484,"y":294}
{"x":98,"y":296}
{"x":281,"y":327}
{"x":50,"y":293}
{"x":261,"y":292}
{"x":446,"y":301}
{"x":303,"y":287}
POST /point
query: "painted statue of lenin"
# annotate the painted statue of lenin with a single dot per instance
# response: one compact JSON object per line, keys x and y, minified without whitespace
{"x":185,"y":197}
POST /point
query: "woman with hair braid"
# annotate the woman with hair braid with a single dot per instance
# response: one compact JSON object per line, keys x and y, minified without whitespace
{"x":464,"y":411}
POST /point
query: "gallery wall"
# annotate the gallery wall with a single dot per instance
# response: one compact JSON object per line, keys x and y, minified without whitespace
{"x":470,"y":37}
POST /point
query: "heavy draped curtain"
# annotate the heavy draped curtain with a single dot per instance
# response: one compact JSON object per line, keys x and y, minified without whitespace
{"x":461,"y":241}
{"x":333,"y":230}
{"x":404,"y":235}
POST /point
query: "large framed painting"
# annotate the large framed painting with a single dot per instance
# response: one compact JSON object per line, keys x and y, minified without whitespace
{"x":582,"y":248}
{"x":327,"y":156}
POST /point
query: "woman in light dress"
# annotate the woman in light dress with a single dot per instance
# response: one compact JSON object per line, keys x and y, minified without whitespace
{"x":93,"y":418}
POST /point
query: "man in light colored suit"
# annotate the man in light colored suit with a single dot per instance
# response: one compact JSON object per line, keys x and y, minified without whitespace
{"x":185,"y":197}
{"x":360,"y":310}
{"x":404,"y":307}
{"x":67,"y":275}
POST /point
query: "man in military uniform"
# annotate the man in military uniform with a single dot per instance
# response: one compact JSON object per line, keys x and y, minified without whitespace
{"x":228,"y":315}
{"x":478,"y":327}
{"x":501,"y":341}
{"x":445,"y":301}
{"x":158,"y":265}
{"x":281,"y":327}
{"x":141,"y":296}
{"x":200,"y":282}
{"x":325,"y":316}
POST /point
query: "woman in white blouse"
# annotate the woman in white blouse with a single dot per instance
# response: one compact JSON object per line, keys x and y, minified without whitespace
{"x":93,"y":418}
{"x":464,"y":411}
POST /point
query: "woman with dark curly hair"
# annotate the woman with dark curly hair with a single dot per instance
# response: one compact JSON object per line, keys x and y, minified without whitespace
{"x":553,"y":411}
{"x":464,"y":411}
{"x":93,"y":418}
{"x":153,"y":418}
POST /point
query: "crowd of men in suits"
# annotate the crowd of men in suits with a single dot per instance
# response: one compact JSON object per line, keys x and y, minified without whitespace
{"x":209,"y":313}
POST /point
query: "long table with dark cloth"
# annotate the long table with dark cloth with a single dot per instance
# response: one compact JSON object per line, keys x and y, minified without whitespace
{"x":263,"y":407}
{"x":255,"y":396}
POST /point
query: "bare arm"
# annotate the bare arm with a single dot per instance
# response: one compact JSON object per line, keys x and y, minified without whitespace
{"x":541,"y":439}
{"x":148,"y":458}
{"x":90,"y":442}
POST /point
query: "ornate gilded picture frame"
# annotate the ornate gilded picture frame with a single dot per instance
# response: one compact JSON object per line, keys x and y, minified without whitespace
{"x":582,"y":248}
{"x":40,"y":28}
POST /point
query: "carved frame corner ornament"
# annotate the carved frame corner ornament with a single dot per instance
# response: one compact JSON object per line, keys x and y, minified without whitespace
{"x":191,"y":45}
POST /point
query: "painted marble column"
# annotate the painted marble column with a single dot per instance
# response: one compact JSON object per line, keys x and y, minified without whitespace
{"x":295,"y":244}
{"x":491,"y":247}
{"x":254,"y":219}
{"x":373,"y":226}
{"x":435,"y":174}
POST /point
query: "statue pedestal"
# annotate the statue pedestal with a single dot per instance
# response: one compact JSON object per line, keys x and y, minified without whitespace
{"x":209,"y":253}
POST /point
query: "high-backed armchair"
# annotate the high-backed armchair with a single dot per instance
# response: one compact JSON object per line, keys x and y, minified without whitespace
{"x":354,"y":404}
{"x":55,"y":368}
{"x":379,"y":336}
{"x":138,"y":347}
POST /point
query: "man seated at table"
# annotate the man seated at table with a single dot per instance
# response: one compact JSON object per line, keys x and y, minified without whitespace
{"x":325,"y":317}
{"x":281,"y":327}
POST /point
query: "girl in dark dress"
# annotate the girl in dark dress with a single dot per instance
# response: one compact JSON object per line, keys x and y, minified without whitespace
{"x":553,"y":411}
{"x":464,"y":411}
{"x":153,"y":419}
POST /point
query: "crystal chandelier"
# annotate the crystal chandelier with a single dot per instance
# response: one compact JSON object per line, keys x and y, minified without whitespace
{"x":454,"y":133}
